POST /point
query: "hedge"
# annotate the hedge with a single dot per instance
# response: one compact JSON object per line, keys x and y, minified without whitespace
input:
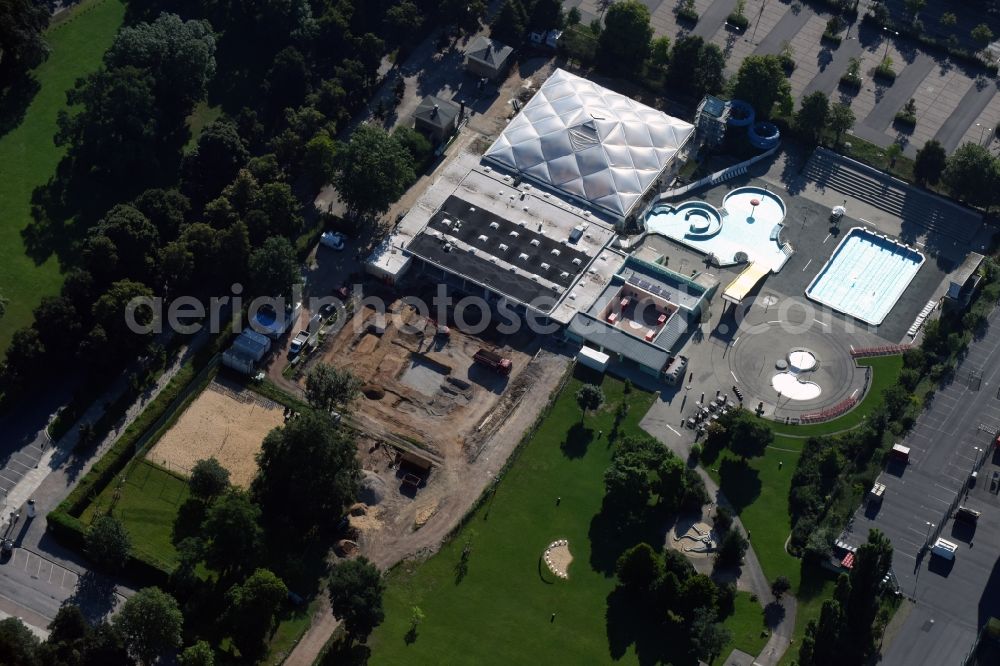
{"x":64,"y":521}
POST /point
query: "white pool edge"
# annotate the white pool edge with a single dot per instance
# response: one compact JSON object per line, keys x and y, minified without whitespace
{"x":836,"y":250}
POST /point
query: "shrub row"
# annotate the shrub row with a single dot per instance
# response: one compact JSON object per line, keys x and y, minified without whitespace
{"x":687,"y":14}
{"x":738,"y":21}
{"x":932,"y":43}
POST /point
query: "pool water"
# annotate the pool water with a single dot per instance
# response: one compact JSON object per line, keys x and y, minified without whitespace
{"x":741,"y":227}
{"x":865,"y":276}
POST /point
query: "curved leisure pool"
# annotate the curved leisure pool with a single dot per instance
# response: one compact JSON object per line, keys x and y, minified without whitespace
{"x":740,"y":227}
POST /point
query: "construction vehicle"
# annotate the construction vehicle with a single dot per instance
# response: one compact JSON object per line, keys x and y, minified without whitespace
{"x":499,"y":364}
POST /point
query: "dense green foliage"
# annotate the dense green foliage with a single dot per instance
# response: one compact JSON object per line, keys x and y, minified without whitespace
{"x":761,"y":82}
{"x":150,"y":623}
{"x":356,"y":589}
{"x":624,"y":43}
{"x":108,"y":543}
{"x":328,"y":388}
{"x":696,"y":67}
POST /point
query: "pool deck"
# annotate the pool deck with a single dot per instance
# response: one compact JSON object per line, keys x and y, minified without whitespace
{"x":886,"y":277}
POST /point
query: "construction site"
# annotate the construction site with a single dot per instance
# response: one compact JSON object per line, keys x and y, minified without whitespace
{"x":433,"y":399}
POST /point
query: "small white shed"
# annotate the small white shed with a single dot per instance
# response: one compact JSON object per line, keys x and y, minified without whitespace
{"x":593,"y":359}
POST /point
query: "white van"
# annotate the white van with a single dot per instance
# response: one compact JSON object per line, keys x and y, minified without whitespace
{"x":944,"y":548}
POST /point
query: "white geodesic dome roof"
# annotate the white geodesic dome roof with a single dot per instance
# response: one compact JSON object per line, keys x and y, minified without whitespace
{"x":590,"y":142}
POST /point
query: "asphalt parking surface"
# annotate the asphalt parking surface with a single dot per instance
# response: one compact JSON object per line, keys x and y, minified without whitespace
{"x":953,"y":600}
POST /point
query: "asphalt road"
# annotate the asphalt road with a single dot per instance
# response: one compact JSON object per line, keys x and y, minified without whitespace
{"x":953,"y":600}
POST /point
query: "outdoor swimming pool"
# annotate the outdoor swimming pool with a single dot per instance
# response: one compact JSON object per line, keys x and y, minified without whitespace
{"x":746,"y":229}
{"x":865,"y":276}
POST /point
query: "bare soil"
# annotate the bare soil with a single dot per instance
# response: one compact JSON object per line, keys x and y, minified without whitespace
{"x":227,"y":423}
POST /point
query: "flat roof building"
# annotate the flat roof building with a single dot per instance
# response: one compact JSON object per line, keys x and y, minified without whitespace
{"x":591,"y":144}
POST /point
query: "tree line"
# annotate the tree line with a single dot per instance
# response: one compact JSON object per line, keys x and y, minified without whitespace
{"x":132,"y":212}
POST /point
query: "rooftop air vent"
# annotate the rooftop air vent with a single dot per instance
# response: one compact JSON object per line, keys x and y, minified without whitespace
{"x":545,"y":266}
{"x":446,"y":222}
{"x":535,"y":242}
{"x":513,"y":234}
{"x":576,"y":261}
{"x":564,"y":275}
{"x":522,"y":256}
{"x":484,"y":238}
{"x":555,"y":252}
{"x":504,"y":247}
{"x":494,"y":225}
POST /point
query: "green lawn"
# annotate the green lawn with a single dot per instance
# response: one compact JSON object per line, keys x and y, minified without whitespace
{"x":747,"y":626}
{"x":29,"y":156}
{"x":500,"y":610}
{"x":759,"y":492}
{"x":147,"y":506}
{"x":885,"y":372}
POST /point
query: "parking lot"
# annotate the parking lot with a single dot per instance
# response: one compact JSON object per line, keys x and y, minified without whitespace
{"x":42,"y":569}
{"x":949,"y":441}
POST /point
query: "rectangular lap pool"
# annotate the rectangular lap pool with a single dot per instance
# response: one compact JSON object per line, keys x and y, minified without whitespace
{"x":865,"y":276}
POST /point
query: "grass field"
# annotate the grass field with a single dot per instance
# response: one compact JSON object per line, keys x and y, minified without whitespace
{"x":499,"y":611}
{"x":147,"y":506}
{"x":759,"y":492}
{"x":29,"y":156}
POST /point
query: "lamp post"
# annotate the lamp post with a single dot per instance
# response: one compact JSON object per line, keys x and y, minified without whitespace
{"x":759,"y":14}
{"x":887,"y":42}
{"x":927,"y":538}
{"x":975,"y":458}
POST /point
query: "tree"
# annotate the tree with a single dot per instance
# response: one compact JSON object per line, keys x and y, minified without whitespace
{"x":287,"y":82}
{"x":812,"y":115}
{"x":948,"y":19}
{"x":659,"y":51}
{"x":150,"y":623}
{"x":872,"y":562}
{"x":274,"y":268}
{"x":779,"y":586}
{"x":252,"y":607}
{"x":179,"y":54}
{"x":199,"y":654}
{"x":120,"y":340}
{"x":355,"y":590}
{"x":930,"y":163}
{"x":708,"y":637}
{"x":696,"y":67}
{"x":416,"y":144}
{"x":402,"y":21}
{"x":319,"y":491}
{"x":546,"y":15}
{"x":114,"y":131}
{"x":374,"y":171}
{"x":214,"y":162}
{"x":639,"y":568}
{"x":24,"y":355}
{"x":982,"y":35}
{"x":18,"y":645}
{"x":510,"y":24}
{"x":232,"y":532}
{"x":589,"y":397}
{"x":914,"y":7}
{"x":761,"y":82}
{"x":841,"y":119}
{"x":971,"y":174}
{"x":319,"y":160}
{"x":22,"y":47}
{"x":166,"y":209}
{"x":134,"y":239}
{"x":625,"y":41}
{"x":209,"y":479}
{"x":58,"y":325}
{"x":732,"y":549}
{"x":328,"y":388}
{"x":108,"y":543}
{"x":743,"y":433}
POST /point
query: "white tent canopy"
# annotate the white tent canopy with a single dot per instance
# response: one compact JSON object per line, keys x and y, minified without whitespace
{"x":590,"y":142}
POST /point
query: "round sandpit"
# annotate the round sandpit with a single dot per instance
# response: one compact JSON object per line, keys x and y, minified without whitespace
{"x":558,"y":558}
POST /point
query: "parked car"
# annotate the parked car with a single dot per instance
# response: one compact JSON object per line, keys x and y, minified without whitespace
{"x":333,"y":240}
{"x":299,"y":342}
